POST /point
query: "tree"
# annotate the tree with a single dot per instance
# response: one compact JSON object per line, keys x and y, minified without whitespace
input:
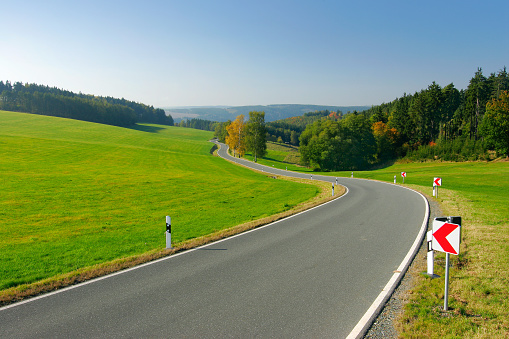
{"x":294,"y":138}
{"x":347,"y":144}
{"x":385,"y":138}
{"x":476,"y":97}
{"x":220,"y":131}
{"x":256,"y":134}
{"x":434,"y":102}
{"x":236,"y":136}
{"x":495,"y":125}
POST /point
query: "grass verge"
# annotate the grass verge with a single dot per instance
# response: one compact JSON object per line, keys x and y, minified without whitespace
{"x":24,"y":291}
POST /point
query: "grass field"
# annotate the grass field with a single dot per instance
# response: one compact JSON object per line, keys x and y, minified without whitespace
{"x":479,"y":277}
{"x":75,"y":194}
{"x":281,"y":156}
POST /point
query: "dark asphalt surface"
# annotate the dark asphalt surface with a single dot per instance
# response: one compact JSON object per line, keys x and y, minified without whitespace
{"x":311,"y":275}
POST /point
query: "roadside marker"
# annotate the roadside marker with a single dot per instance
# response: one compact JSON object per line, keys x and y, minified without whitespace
{"x":168,"y":232}
{"x":431,"y":256}
{"x":436,"y":182}
{"x":446,"y":237}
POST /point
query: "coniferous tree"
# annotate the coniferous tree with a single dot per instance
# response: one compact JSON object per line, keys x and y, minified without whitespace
{"x":476,"y":97}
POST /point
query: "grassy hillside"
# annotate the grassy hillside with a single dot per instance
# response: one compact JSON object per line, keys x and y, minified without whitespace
{"x":74,"y":194}
{"x":479,"y":278}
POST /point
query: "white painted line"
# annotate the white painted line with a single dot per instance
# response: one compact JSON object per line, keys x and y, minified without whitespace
{"x":373,"y":311}
{"x":375,"y":308}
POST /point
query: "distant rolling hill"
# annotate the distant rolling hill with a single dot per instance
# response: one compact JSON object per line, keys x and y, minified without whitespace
{"x":272,"y":112}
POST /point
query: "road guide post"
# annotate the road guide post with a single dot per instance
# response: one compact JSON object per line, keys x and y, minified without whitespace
{"x":394,"y":179}
{"x":446,"y":238}
{"x":436,"y":182}
{"x":431,"y":256}
{"x":168,"y":232}
{"x":403,"y":174}
{"x":332,"y":189}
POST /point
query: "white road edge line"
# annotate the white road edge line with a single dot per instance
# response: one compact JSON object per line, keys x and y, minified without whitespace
{"x":375,"y":308}
{"x":365,"y":322}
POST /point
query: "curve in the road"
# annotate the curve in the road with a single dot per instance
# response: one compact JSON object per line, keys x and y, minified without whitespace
{"x":311,"y":275}
{"x":363,"y":324}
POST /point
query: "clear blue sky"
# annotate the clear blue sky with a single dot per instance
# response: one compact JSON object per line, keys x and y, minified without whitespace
{"x":192,"y":53}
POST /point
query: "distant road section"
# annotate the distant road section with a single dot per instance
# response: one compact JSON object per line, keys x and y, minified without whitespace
{"x":313,"y":275}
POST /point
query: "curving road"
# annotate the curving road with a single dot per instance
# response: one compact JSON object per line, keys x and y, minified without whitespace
{"x":311,"y":275}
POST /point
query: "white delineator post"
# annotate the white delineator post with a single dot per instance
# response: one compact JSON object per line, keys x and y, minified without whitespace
{"x":394,"y":179}
{"x":431,"y":255}
{"x":168,"y":232}
{"x":332,"y":189}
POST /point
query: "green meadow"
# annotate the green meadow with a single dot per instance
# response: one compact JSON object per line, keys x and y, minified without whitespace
{"x":74,"y":194}
{"x":479,"y":276}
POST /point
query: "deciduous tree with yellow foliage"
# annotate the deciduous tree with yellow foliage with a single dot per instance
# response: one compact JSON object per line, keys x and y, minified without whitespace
{"x":236,"y":136}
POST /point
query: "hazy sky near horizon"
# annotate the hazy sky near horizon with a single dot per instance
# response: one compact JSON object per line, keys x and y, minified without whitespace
{"x":195,"y":53}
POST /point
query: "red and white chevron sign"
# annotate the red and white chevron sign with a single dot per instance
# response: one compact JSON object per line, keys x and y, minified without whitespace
{"x":403,"y":174}
{"x":446,"y":237}
{"x":437,"y":182}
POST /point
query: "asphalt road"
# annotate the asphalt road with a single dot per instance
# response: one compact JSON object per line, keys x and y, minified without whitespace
{"x":311,"y":275}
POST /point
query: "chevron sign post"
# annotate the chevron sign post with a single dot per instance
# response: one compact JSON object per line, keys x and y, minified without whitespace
{"x":436,"y":182}
{"x":446,"y":237}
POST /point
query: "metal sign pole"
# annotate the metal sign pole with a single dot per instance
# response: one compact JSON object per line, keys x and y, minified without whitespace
{"x":446,"y":294}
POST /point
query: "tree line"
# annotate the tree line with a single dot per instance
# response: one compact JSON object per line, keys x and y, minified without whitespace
{"x":437,"y":123}
{"x":44,"y":100}
{"x":289,"y":130}
{"x":196,"y":123}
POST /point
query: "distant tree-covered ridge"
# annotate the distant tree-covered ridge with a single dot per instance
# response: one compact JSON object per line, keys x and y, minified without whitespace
{"x":45,"y":100}
{"x":272,"y":112}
